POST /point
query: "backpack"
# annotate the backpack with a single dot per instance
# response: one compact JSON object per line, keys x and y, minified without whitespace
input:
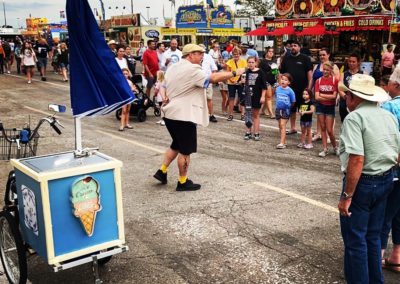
{"x":7,"y":48}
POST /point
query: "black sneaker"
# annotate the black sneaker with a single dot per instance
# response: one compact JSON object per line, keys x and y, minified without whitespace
{"x":44,"y":79}
{"x":159,"y":175}
{"x":187,"y":186}
{"x":247,"y":136}
{"x":213,"y":119}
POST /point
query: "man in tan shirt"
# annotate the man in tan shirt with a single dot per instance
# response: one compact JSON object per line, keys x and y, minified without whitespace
{"x":186,"y":107}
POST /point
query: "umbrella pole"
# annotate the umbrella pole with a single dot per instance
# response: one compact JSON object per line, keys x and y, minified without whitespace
{"x":78,"y":134}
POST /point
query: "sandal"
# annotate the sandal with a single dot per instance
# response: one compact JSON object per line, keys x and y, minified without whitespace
{"x":316,"y":137}
{"x":390,"y":266}
{"x":290,"y":132}
{"x":230,"y":118}
{"x":272,"y":117}
{"x":129,"y":126}
{"x":121,"y":129}
{"x":280,"y":146}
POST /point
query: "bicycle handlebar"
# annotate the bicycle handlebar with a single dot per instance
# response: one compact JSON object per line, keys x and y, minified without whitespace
{"x":56,"y":129}
{"x":51,"y":120}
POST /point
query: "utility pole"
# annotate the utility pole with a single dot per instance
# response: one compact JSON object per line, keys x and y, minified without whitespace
{"x":5,"y":18}
{"x":148,"y":12}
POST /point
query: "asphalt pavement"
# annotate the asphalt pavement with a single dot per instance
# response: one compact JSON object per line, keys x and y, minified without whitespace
{"x":262,"y":215}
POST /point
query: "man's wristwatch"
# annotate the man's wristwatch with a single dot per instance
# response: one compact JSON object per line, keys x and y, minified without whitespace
{"x":234,"y":73}
{"x":345,"y":195}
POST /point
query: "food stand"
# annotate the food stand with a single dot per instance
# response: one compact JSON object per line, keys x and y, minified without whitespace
{"x":198,"y":23}
{"x":343,"y":26}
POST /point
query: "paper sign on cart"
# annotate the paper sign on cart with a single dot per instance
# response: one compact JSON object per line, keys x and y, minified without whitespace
{"x":86,"y":202}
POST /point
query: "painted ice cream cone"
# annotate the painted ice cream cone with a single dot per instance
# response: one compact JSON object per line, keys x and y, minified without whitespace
{"x":86,"y":202}
{"x":87,"y":220}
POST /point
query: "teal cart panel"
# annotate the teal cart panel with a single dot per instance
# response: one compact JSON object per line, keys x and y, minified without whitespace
{"x":68,"y":232}
{"x":32,"y":227}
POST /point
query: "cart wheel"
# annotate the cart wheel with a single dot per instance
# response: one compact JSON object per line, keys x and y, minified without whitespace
{"x":141,"y":116}
{"x":157,"y":111}
{"x":10,"y":197}
{"x":12,"y":250}
{"x":118,"y":114}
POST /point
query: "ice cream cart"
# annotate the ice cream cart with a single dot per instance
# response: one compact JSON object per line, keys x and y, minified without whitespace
{"x":69,"y":211}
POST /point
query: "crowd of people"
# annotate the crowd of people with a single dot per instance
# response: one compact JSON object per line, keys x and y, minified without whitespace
{"x":268,"y":78}
{"x":369,"y":145}
{"x":30,"y":55}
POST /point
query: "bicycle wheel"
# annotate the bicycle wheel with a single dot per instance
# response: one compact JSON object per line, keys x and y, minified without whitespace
{"x":12,"y":250}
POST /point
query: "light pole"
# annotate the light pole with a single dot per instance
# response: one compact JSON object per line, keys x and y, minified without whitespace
{"x":148,"y":12}
{"x":132,"y":7}
{"x":4,"y":10}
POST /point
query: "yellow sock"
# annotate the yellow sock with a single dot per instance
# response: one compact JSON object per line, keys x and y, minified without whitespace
{"x":164,"y":168}
{"x":182,"y":180}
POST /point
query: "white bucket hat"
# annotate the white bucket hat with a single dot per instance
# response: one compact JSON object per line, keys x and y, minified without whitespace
{"x":363,"y":86}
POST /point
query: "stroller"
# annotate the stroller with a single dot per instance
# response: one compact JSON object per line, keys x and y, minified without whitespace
{"x":139,"y":107}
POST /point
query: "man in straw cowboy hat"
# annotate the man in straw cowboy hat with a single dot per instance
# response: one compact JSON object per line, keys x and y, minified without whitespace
{"x":369,"y":149}
{"x":186,"y":108}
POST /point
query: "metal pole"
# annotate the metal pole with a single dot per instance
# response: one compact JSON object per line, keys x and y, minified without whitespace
{"x":78,"y":134}
{"x":148,"y":13}
{"x":132,"y":7}
{"x":5,"y":18}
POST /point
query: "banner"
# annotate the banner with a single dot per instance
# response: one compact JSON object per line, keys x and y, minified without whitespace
{"x":126,"y":20}
{"x":191,"y":17}
{"x":221,"y":17}
{"x":351,"y":23}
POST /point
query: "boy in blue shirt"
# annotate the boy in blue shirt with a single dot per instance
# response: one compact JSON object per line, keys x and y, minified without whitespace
{"x":285,"y":99}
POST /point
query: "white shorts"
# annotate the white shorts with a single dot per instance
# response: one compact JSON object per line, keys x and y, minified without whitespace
{"x":223,"y":86}
{"x":209,"y":92}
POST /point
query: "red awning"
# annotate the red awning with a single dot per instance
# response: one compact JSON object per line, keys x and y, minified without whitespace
{"x":316,"y":30}
{"x":263,"y":31}
{"x":258,"y":32}
{"x":289,"y":30}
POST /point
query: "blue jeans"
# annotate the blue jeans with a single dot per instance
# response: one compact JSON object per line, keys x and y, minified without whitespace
{"x":362,"y":230}
{"x":392,"y":217}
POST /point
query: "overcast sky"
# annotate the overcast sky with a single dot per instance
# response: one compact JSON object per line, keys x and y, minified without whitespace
{"x":18,"y":10}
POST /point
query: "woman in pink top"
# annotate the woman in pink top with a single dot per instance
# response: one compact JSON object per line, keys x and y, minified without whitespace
{"x":387,"y":60}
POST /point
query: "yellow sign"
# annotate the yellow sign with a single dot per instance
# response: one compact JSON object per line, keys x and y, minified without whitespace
{"x":228,"y":32}
{"x":168,"y":31}
{"x":186,"y":31}
{"x":33,"y":24}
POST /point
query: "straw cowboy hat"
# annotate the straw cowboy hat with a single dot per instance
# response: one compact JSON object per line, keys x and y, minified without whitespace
{"x":363,"y":86}
{"x":189,"y":48}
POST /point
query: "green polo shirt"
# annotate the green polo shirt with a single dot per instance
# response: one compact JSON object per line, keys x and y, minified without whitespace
{"x":371,"y":132}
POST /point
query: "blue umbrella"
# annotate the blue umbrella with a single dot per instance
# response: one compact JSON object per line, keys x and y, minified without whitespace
{"x":97,"y":83}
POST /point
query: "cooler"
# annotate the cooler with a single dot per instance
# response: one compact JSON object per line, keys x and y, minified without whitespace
{"x":70,"y":207}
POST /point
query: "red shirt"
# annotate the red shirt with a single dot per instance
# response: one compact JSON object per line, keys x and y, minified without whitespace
{"x":327,"y":86}
{"x":150,"y":59}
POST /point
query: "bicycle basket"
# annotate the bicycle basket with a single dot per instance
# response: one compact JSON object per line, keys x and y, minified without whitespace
{"x":10,"y":149}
